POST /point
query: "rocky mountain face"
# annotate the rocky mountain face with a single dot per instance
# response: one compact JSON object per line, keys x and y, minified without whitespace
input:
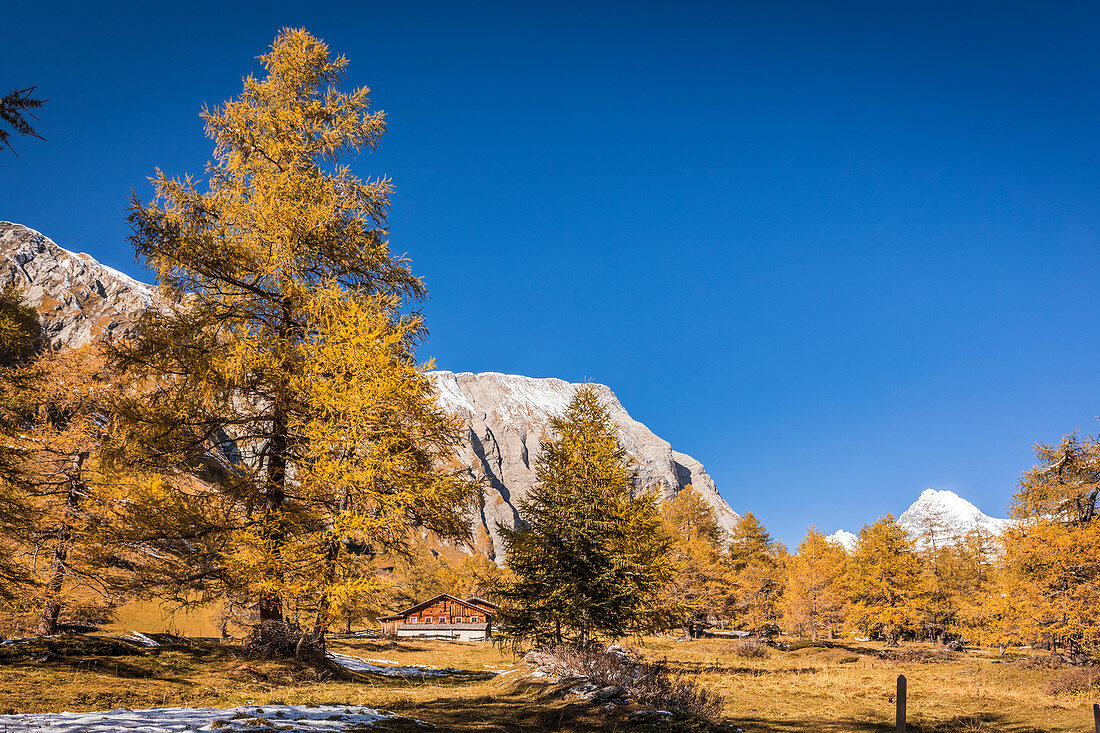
{"x":79,"y":299}
{"x":508,"y":416}
{"x":938,"y":514}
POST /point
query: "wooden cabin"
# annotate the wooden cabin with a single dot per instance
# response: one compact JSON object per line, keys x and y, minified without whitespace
{"x":443,"y":617}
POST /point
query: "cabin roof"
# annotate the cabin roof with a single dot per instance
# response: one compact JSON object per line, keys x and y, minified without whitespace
{"x":485,"y":605}
{"x":479,"y":601}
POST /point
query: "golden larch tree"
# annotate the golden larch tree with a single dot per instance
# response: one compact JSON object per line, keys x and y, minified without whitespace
{"x":1051,"y":580}
{"x":697,"y":592}
{"x":277,"y":390}
{"x":754,"y":563}
{"x":814,"y":598}
{"x":884,"y":581}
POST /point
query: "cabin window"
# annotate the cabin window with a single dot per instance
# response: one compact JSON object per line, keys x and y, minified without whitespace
{"x":412,"y":619}
{"x":475,"y":620}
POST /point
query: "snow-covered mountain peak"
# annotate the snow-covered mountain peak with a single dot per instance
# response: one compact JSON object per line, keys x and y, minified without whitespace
{"x":844,"y":538}
{"x":938,"y":515}
{"x":941,"y":515}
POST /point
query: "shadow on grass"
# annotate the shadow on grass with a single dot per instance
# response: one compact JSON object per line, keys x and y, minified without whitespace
{"x":169,"y":662}
{"x":720,"y":668}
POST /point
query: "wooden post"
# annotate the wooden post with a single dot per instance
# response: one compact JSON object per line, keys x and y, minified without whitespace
{"x":1096,"y":716}
{"x":901,"y":703}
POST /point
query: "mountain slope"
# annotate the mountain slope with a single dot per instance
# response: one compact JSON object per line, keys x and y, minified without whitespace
{"x":947,"y":515}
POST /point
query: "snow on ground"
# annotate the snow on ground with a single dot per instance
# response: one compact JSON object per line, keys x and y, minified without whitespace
{"x":356,"y":664}
{"x":176,"y":720}
{"x":140,"y":638}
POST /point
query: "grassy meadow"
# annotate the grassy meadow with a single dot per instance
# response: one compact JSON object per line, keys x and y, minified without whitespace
{"x":835,"y":686}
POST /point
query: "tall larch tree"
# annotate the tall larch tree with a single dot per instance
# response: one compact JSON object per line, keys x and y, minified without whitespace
{"x":814,"y":599}
{"x":755,"y":565}
{"x":696,"y":593}
{"x":975,"y":567}
{"x":62,"y":417}
{"x":20,"y":341}
{"x":884,"y":581}
{"x":277,"y":392}
{"x":589,"y":558}
{"x":1052,"y":549}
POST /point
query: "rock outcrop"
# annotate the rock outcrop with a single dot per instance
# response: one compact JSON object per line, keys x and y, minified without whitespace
{"x":508,"y":416}
{"x":79,"y":299}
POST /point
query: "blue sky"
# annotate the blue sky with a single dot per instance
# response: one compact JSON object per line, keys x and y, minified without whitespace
{"x":838,"y":252}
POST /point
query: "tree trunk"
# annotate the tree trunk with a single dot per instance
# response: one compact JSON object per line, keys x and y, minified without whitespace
{"x":321,"y":620}
{"x":270,"y":604}
{"x":51,"y":609}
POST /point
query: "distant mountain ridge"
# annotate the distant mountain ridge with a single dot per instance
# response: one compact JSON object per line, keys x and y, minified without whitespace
{"x":949,"y":516}
{"x":506,"y":416}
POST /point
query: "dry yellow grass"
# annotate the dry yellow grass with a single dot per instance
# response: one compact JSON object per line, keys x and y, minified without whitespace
{"x":843,"y":687}
{"x":850,"y":687}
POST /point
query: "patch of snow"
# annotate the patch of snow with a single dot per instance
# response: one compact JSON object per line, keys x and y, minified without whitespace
{"x":139,"y":638}
{"x":177,"y":720}
{"x":356,"y":664}
{"x":450,"y":396}
{"x":143,"y":639}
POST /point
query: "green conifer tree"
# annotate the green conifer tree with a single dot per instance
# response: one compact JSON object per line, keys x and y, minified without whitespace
{"x":589,"y":558}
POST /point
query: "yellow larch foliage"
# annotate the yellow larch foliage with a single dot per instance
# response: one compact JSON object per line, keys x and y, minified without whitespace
{"x":814,"y":598}
{"x":883,"y":581}
{"x":1051,"y":583}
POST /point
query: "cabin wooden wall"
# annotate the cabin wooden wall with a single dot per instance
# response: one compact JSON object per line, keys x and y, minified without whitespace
{"x":453,"y":611}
